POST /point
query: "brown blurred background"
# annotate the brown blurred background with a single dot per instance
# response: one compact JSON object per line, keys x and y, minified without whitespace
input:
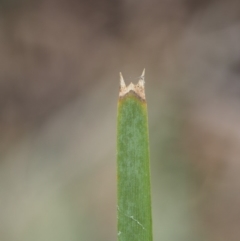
{"x":59,"y":65}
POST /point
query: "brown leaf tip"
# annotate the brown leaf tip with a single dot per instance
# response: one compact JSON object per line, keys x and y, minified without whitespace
{"x":138,"y":89}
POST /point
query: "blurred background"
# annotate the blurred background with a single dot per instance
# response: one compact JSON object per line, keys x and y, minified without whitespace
{"x":59,"y":81}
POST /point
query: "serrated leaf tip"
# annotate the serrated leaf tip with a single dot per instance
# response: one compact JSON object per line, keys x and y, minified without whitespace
{"x":122,"y":82}
{"x":138,"y":89}
{"x":141,"y":81}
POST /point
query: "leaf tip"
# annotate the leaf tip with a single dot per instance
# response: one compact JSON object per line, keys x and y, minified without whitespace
{"x":122,"y":82}
{"x":138,"y":89}
{"x":141,"y":81}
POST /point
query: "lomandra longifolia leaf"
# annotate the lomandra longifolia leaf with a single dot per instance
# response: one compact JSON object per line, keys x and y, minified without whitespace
{"x":133,"y":172}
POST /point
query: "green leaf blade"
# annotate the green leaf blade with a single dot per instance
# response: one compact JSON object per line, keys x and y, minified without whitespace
{"x":134,"y":196}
